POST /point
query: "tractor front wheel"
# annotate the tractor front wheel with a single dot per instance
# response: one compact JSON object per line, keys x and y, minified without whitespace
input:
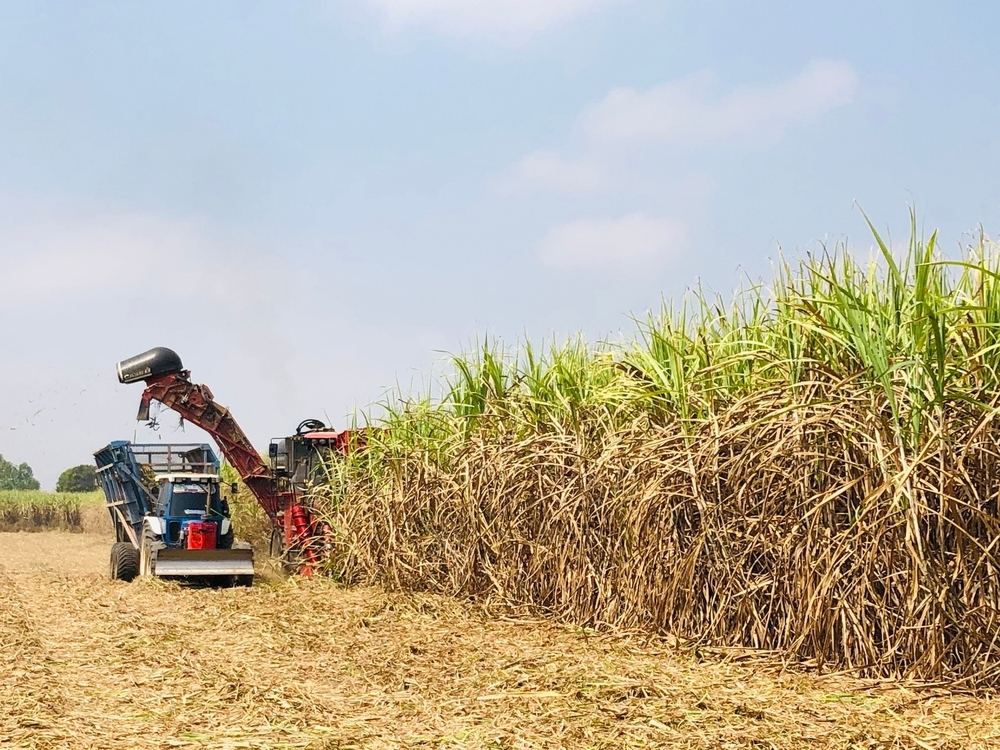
{"x":146,"y":553}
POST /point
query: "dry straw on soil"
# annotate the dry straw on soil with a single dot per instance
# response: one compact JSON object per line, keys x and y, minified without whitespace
{"x":810,"y":470}
{"x":88,"y":663}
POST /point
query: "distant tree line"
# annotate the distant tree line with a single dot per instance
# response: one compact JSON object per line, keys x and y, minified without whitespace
{"x":16,"y":477}
{"x":82,"y":478}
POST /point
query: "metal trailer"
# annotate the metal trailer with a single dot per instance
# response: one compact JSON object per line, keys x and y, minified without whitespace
{"x":169,"y":516}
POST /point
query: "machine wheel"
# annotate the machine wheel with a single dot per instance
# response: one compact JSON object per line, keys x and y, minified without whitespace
{"x":277,"y":549}
{"x":232,"y":582}
{"x":124,"y":561}
{"x":146,"y":554}
{"x":279,"y":555}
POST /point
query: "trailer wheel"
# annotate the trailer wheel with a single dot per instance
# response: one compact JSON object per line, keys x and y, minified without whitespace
{"x":124,"y":561}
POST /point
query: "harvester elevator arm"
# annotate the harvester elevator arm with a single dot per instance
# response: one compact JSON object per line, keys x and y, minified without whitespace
{"x":196,"y":404}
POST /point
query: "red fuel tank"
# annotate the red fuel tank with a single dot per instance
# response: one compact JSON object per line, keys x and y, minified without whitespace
{"x":201,"y":535}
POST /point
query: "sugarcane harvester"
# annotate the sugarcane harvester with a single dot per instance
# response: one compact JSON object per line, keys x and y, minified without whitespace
{"x":297,"y":536}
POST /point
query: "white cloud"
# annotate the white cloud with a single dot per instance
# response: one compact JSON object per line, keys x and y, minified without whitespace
{"x":498,"y":19}
{"x":128,"y":255}
{"x":549,"y":169}
{"x":689,"y":111}
{"x":629,"y":124}
{"x":48,"y":261}
{"x":635,"y":241}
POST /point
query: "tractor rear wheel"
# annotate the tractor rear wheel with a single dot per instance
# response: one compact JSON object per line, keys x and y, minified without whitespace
{"x":124,"y":561}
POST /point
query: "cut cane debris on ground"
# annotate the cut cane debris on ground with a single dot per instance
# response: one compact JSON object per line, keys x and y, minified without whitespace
{"x":90,"y":663}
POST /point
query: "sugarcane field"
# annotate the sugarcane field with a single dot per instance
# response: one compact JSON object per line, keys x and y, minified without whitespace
{"x":499,"y":375}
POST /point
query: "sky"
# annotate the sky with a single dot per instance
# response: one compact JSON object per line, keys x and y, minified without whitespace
{"x":315,"y":202}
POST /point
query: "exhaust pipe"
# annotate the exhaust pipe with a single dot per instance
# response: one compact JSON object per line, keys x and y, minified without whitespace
{"x":157,"y":361}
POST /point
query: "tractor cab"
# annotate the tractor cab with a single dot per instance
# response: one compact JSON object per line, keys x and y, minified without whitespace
{"x":192,"y":504}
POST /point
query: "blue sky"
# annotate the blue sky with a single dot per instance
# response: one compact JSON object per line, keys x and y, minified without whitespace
{"x":311,"y":201}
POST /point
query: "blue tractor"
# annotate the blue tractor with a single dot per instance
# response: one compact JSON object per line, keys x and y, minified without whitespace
{"x":169,"y":515}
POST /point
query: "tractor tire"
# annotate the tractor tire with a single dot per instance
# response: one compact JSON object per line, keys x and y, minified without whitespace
{"x":149,"y":543}
{"x":124,"y":562}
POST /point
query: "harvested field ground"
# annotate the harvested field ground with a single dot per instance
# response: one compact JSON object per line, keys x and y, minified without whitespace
{"x":87,"y":663}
